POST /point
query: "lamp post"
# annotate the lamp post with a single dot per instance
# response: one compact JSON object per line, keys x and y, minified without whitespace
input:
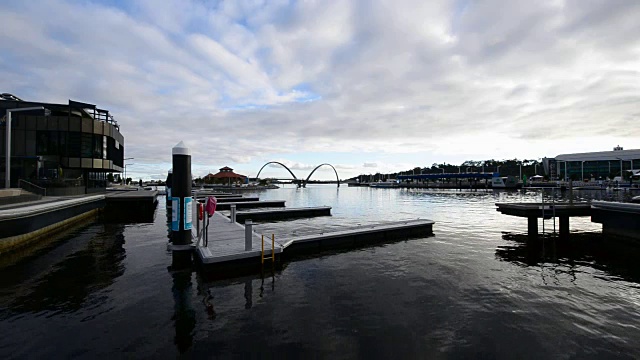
{"x":536,"y":169}
{"x":441,"y":169}
{"x":520,"y":170}
{"x":125,"y":173}
{"x":467,"y":170}
{"x":582,"y":170}
{"x":124,"y":181}
{"x":7,"y":166}
{"x":498,"y":170}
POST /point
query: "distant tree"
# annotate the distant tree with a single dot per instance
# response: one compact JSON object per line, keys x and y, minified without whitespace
{"x":110,"y":177}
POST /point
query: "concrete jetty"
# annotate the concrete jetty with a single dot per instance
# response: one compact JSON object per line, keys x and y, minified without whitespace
{"x":280,"y":214}
{"x":21,"y":224}
{"x":251,"y":204}
{"x":131,"y":205}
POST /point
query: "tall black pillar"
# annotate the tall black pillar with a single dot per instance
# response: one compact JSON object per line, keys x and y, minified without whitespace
{"x":181,"y":210}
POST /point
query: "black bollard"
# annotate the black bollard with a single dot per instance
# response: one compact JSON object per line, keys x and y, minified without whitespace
{"x":181,"y":209}
{"x":168,"y":185}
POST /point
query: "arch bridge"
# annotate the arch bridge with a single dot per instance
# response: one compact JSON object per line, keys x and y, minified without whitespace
{"x":300,"y":182}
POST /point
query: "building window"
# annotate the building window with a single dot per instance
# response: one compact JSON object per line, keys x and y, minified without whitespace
{"x":97,"y":146}
{"x":86,"y":150}
{"x":74,"y":141}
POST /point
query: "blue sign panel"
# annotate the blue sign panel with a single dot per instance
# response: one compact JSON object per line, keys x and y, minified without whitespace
{"x":175,"y":214}
{"x":188,"y":213}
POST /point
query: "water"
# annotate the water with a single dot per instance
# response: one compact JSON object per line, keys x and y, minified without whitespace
{"x":476,"y":289}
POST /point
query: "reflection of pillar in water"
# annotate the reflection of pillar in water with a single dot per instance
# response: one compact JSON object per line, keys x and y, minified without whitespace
{"x":248,"y":294}
{"x":184,"y":315}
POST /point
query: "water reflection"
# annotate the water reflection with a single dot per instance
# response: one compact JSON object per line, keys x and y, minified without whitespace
{"x":613,"y":256}
{"x":184,"y":316}
{"x":91,"y":262}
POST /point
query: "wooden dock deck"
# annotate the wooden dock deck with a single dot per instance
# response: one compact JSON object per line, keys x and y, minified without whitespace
{"x":226,"y":246}
{"x":280,"y":214}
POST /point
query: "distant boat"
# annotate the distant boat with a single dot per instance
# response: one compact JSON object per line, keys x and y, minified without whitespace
{"x":505,"y":182}
{"x":389,"y":183}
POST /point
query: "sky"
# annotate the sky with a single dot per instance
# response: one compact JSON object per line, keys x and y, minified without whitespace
{"x":367,"y":86}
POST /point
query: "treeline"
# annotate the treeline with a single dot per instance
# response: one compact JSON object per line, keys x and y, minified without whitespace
{"x":503,"y":167}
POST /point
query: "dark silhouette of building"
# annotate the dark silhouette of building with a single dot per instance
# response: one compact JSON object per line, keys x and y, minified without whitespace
{"x":70,"y":150}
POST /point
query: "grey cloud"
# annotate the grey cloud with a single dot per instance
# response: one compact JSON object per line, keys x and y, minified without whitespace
{"x":398,"y":75}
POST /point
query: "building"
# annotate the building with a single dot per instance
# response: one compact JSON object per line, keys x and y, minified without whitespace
{"x":600,"y":165}
{"x":66,"y":148}
{"x":225,"y":176}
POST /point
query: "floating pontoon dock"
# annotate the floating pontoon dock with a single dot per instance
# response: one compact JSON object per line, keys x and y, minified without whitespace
{"x":226,"y":246}
{"x":281,"y":214}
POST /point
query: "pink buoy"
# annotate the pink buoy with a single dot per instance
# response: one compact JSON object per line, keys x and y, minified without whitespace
{"x":211,"y":205}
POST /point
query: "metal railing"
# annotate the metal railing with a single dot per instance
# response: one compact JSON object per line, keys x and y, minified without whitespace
{"x":31,"y":186}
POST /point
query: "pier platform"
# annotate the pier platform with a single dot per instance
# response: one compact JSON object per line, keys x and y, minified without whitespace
{"x":251,"y":204}
{"x":534,"y":211}
{"x":281,"y":214}
{"x":619,"y":219}
{"x":226,"y":246}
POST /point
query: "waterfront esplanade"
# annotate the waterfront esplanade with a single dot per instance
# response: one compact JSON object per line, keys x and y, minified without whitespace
{"x":596,"y":165}
{"x":66,"y":148}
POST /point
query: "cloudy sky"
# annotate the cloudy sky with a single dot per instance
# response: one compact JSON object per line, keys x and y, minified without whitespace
{"x":368,"y":86}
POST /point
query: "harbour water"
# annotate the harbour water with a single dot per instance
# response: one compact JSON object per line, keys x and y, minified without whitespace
{"x":476,"y":289}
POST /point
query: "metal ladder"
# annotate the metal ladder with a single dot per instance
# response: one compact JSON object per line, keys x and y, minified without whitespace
{"x":551,"y":212}
{"x":273,"y":250}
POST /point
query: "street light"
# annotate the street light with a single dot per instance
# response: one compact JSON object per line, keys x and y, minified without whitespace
{"x":7,"y":173}
{"x":498,"y":170}
{"x":441,"y":169}
{"x":520,"y":170}
{"x":582,"y":170}
{"x":125,"y":173}
{"x":536,"y":169}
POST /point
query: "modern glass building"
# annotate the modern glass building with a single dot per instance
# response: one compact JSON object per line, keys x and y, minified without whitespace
{"x":600,"y":165}
{"x":67,"y":148}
